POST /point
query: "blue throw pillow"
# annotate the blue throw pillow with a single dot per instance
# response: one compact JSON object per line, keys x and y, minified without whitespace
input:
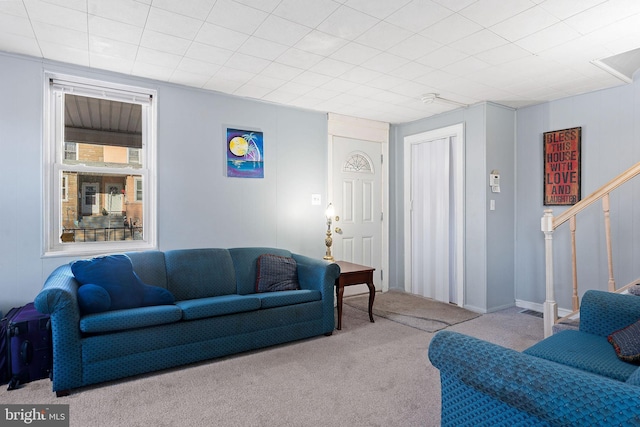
{"x":155,"y":295}
{"x":115,"y":274}
{"x":93,"y":299}
{"x":626,"y":343}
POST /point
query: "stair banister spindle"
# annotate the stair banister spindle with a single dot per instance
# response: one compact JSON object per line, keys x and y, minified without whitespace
{"x":550,"y":307}
{"x":574,"y":263}
{"x":607,"y":231}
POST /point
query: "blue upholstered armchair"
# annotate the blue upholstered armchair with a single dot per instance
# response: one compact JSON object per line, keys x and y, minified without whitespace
{"x":573,"y":378}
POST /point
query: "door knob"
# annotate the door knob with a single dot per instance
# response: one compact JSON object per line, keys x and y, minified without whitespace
{"x":338,"y":230}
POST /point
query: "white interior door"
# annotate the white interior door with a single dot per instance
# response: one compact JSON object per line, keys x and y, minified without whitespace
{"x":434,"y":214}
{"x":357,"y":198}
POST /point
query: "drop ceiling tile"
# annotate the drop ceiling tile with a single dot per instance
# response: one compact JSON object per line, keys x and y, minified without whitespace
{"x":412,"y":70}
{"x":281,"y":31}
{"x":385,"y":63}
{"x":65,"y":53}
{"x":218,"y":36}
{"x":339,"y":85}
{"x":164,"y":42}
{"x":501,"y":54}
{"x":297,"y":88}
{"x":451,"y":29}
{"x":441,"y":57}
{"x":262,"y":48}
{"x":299,"y":58}
{"x":281,"y":71}
{"x":563,"y":9}
{"x":308,"y":12}
{"x":193,"y":8}
{"x":112,"y":48}
{"x":194,"y":66}
{"x":347,"y":23}
{"x":555,"y":35}
{"x":79,"y":5}
{"x":266,"y":82}
{"x":332,"y":67}
{"x":280,"y":96}
{"x":479,"y":42}
{"x":231,"y":74}
{"x":155,"y":57}
{"x":252,"y":64}
{"x":323,"y":93}
{"x":129,"y":12}
{"x":383,"y":36}
{"x":204,"y":52}
{"x":489,"y":12}
{"x":114,"y":30}
{"x":465,"y":67}
{"x":249,"y":90}
{"x":417,"y":15}
{"x":386,"y":82}
{"x":524,"y":24}
{"x":360,"y":75}
{"x":320,"y":43}
{"x":13,"y":8}
{"x":61,"y":35}
{"x":106,"y":62}
{"x":377,"y":8}
{"x":414,"y":47}
{"x":19,"y":44}
{"x":411,"y":89}
{"x":311,"y":78}
{"x":173,"y":24}
{"x":455,"y":5}
{"x":40,"y":11}
{"x":355,"y":53}
{"x":16,"y":25}
{"x":264,"y":5}
{"x":152,"y":71}
{"x":602,"y":15}
{"x":236,"y":16}
{"x":222,"y":85}
{"x":189,"y":79}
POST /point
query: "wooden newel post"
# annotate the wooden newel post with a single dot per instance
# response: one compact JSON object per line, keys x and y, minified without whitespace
{"x":550,"y":306}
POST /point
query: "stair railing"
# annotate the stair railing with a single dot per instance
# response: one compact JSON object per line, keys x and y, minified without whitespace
{"x":549,"y":224}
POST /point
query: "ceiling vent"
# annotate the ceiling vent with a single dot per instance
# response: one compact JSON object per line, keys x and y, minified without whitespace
{"x":622,"y":65}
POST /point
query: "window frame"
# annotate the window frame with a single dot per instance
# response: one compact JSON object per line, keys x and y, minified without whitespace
{"x":56,"y":86}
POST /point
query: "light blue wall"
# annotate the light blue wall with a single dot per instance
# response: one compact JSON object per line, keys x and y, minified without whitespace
{"x":197,"y":205}
{"x":610,"y":122}
{"x":489,"y":133}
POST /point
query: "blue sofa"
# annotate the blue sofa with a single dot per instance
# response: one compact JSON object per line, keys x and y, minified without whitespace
{"x":572,"y":378}
{"x":217,"y":312}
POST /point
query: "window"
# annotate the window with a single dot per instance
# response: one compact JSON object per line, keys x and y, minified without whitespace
{"x":99,"y":173}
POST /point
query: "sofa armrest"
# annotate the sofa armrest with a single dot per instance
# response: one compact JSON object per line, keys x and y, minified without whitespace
{"x":602,"y":313}
{"x":537,"y":388}
{"x":320,"y":275}
{"x":58,"y":298}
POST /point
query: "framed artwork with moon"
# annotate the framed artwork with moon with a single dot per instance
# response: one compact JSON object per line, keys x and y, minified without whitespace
{"x":245,"y":156}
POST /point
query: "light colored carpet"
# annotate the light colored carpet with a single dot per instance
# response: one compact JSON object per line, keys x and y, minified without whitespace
{"x":412,"y":310}
{"x":367,"y":374}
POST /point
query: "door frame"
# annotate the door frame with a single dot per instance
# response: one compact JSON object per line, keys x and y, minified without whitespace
{"x":84,"y":194}
{"x":372,"y":131}
{"x":445,"y":132}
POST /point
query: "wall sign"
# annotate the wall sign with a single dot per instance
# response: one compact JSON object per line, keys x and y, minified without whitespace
{"x":562,"y":166}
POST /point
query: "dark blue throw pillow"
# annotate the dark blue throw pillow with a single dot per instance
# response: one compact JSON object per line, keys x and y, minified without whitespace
{"x":276,"y":273}
{"x":113,"y":275}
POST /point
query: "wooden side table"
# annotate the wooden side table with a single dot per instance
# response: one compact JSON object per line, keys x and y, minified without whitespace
{"x":354,"y":274}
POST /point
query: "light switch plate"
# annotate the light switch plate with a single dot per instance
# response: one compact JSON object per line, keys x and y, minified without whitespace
{"x":316,"y":199}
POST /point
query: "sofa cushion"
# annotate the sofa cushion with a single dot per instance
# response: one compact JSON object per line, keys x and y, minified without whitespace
{"x":119,"y":320}
{"x":276,"y":273}
{"x":626,"y":343}
{"x":587,"y":352}
{"x":279,"y":299}
{"x":217,"y":306}
{"x":200,"y":273}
